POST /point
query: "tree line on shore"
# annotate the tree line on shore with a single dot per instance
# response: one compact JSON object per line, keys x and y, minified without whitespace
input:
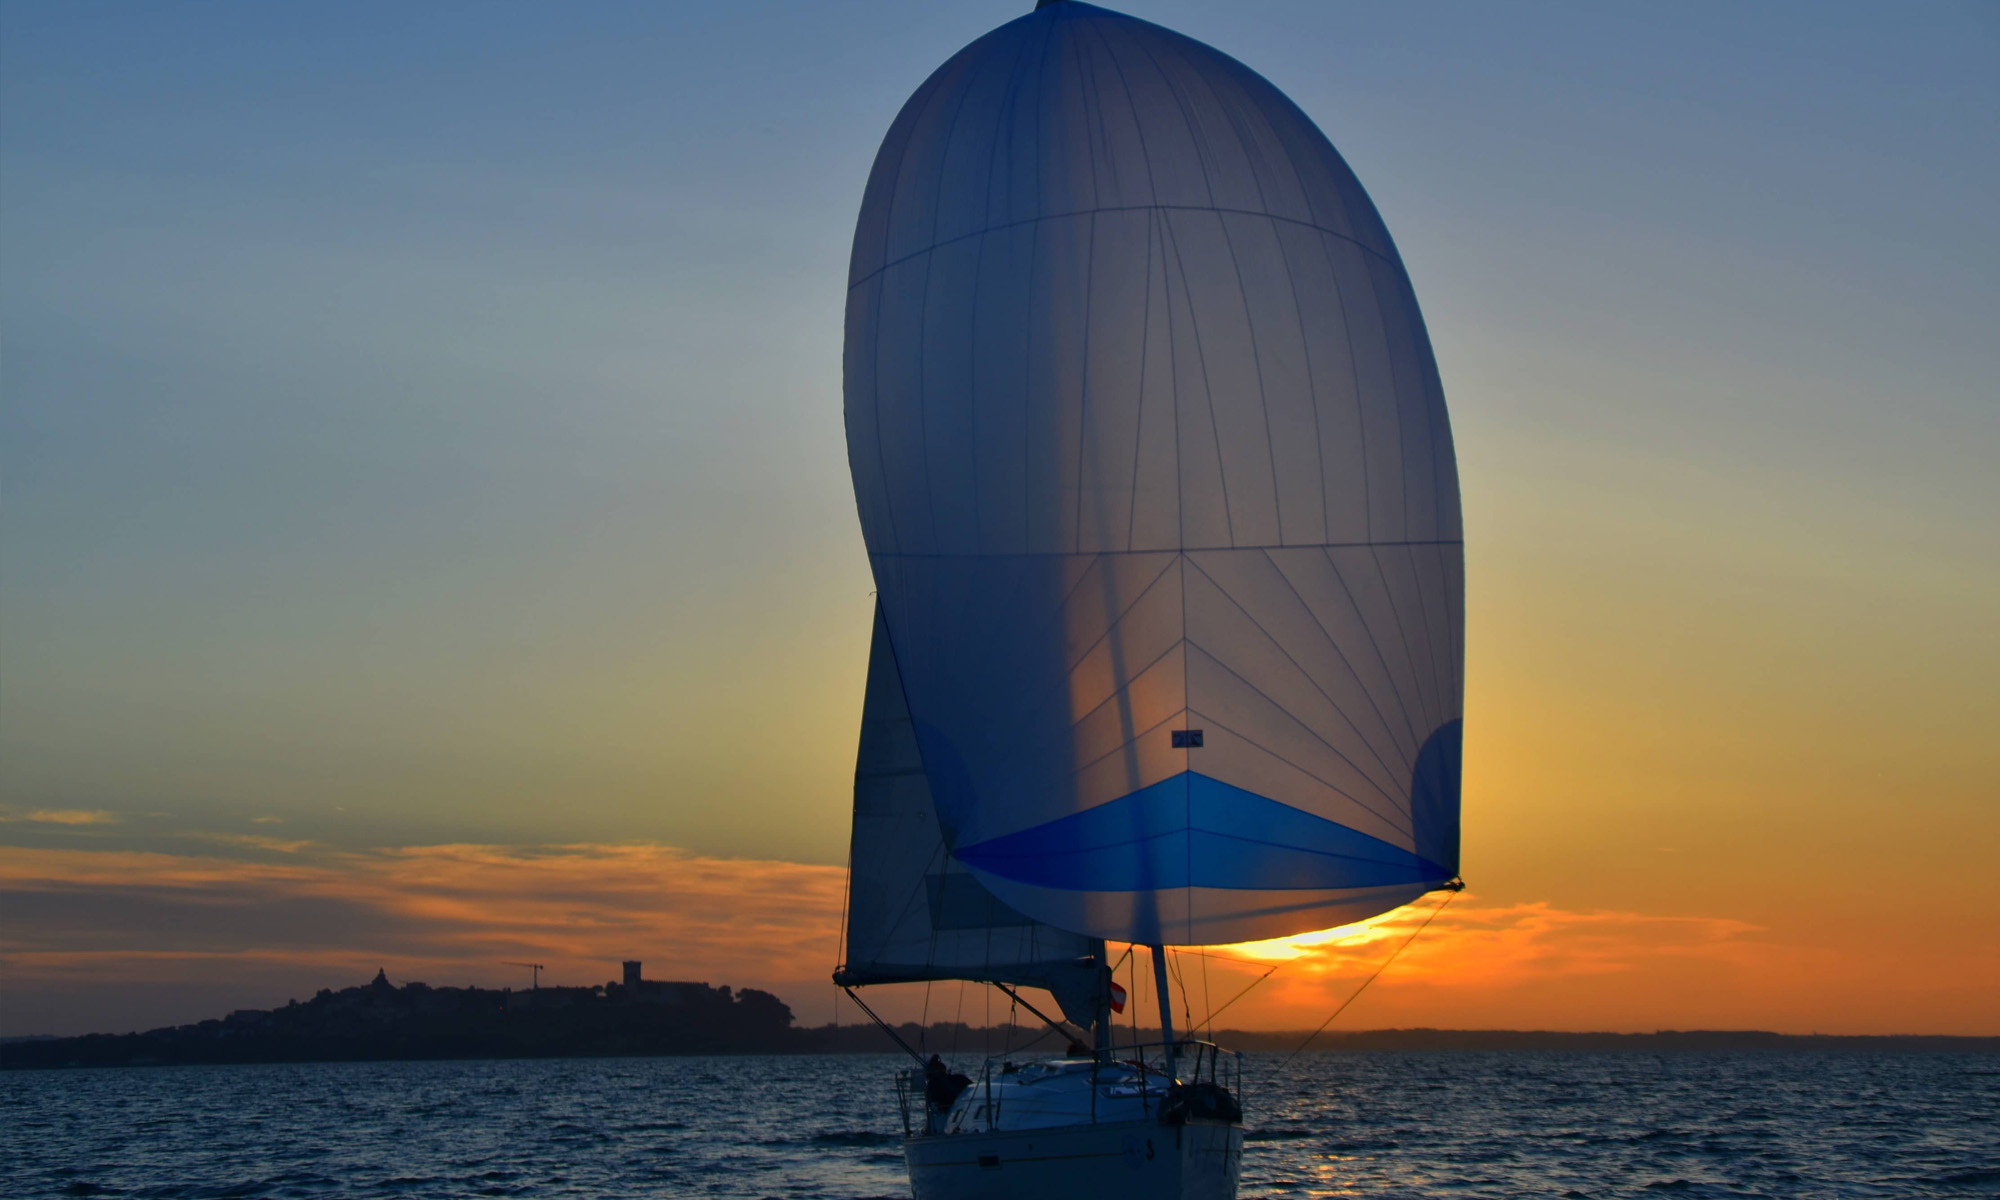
{"x":381,"y":1022}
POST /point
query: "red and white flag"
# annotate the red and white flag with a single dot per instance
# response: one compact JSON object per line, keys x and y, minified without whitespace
{"x":1118,"y":997}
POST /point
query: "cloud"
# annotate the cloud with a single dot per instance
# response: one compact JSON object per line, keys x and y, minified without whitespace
{"x":1536,"y":965}
{"x":140,"y":922}
{"x":252,"y":841}
{"x":128,"y":939}
{"x":1465,"y":944}
{"x":65,"y":816}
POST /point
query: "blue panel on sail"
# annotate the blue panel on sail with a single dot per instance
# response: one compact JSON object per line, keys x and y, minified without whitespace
{"x":1194,"y":831}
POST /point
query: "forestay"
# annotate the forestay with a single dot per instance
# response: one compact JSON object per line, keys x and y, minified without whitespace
{"x":912,"y":912}
{"x":1155,"y":475}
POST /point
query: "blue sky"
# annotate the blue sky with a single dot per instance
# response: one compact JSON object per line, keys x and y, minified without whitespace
{"x":422,"y":423}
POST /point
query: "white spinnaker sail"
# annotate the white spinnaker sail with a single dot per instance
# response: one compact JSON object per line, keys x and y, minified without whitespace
{"x":915,"y":914}
{"x":1154,"y":470}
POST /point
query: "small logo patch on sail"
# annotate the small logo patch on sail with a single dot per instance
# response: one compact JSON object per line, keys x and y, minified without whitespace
{"x":1187,"y":739}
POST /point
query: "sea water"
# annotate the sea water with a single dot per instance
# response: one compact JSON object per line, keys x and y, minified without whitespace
{"x":1404,"y":1124}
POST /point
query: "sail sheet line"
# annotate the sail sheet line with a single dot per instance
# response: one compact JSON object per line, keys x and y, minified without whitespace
{"x":1450,"y":895}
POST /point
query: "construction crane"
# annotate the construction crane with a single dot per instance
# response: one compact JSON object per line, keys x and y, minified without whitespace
{"x":536,"y":968}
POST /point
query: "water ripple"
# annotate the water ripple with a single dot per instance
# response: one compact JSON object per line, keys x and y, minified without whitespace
{"x":1386,"y":1125}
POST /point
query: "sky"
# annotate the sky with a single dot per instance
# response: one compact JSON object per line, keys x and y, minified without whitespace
{"x":426,"y":539}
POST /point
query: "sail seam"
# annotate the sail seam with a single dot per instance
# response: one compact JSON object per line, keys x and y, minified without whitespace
{"x":1335,"y":788}
{"x":918,"y":554}
{"x":1060,"y":684}
{"x":1172,"y":243}
{"x":1409,"y":763}
{"x":1119,"y":208}
{"x":1375,"y":644}
{"x":1305,"y":674}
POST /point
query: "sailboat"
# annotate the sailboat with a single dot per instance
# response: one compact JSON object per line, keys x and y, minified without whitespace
{"x":1156,"y":480}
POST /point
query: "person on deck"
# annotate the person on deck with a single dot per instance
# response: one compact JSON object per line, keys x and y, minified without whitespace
{"x":937,"y":1084}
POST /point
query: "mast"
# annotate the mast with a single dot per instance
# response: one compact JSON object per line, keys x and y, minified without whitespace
{"x":1166,"y":1002}
{"x":1100,"y":1021}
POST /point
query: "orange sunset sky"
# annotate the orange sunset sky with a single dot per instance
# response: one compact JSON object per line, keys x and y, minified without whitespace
{"x":426,"y":540}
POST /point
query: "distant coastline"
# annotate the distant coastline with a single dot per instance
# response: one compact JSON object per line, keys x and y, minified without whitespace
{"x":380,"y":1022}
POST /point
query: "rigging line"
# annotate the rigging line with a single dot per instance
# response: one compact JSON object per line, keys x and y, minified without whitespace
{"x":846,"y":896}
{"x":1214,"y":1013}
{"x":924,"y":1030}
{"x":1449,"y":897}
{"x":1046,"y":1019}
{"x":1180,"y":981}
{"x":1248,"y":962}
{"x":1132,"y":998}
{"x":884,"y":1026}
{"x":840,"y":953}
{"x":1202,"y":951}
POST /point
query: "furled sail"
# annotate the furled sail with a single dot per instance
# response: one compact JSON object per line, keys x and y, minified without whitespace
{"x":1155,"y":475}
{"x":912,"y":912}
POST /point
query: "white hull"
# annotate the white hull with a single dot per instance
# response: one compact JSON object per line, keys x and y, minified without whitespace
{"x":1196,"y":1160}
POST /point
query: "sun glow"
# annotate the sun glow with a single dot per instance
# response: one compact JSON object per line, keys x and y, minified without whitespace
{"x":1322,"y":943}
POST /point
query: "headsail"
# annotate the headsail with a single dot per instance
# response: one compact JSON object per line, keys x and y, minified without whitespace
{"x":912,"y":912}
{"x":1154,"y":469}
